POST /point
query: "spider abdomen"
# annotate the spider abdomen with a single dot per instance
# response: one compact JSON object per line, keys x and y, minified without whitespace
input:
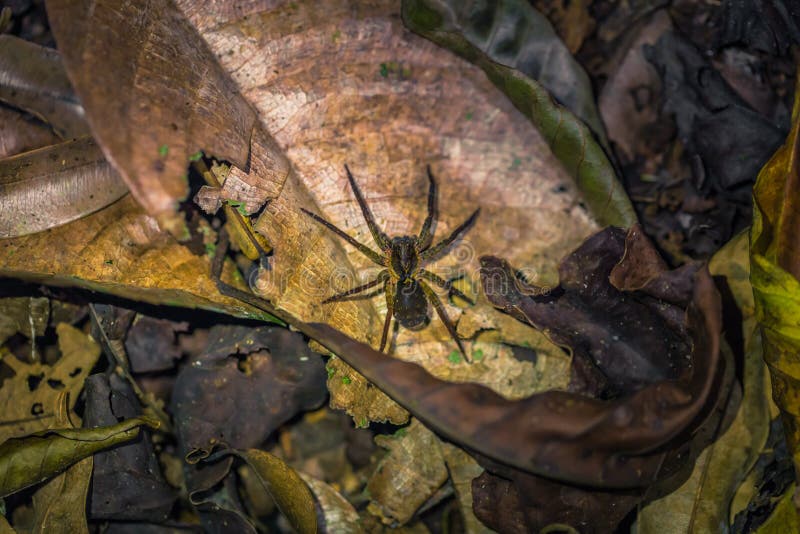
{"x":410,"y":304}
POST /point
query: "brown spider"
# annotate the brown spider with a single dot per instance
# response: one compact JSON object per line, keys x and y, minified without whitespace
{"x":407,"y":294}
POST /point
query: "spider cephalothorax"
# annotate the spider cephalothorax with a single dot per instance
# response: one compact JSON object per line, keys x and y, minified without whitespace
{"x":403,"y":280}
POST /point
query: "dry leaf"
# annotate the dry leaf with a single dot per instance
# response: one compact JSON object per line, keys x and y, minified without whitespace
{"x":26,"y":399}
{"x":55,"y":185}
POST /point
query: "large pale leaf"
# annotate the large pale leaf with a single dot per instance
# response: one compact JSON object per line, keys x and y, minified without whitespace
{"x":775,"y":261}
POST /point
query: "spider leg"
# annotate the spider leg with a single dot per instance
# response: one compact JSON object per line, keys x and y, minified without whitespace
{"x":443,"y":316}
{"x":365,"y":250}
{"x":433,"y":252}
{"x":425,"y":235}
{"x":444,"y":284}
{"x":390,"y":289}
{"x":381,"y":278}
{"x":380,"y":238}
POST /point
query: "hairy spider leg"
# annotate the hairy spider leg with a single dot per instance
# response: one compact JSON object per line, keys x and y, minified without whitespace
{"x":349,"y":294}
{"x":425,"y":236}
{"x":437,"y":304}
{"x":390,"y":289}
{"x":433,"y":252}
{"x":365,"y":250}
{"x":381,"y":239}
{"x":444,"y":284}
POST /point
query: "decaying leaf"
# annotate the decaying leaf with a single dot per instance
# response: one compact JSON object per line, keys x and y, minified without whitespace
{"x":33,"y":78}
{"x":52,"y":186}
{"x":37,"y":457}
{"x":153,"y":93}
{"x":27,"y":397}
{"x":127,"y":483}
{"x":462,"y":470}
{"x":775,"y":275}
{"x":247,"y":383}
{"x":409,"y":474}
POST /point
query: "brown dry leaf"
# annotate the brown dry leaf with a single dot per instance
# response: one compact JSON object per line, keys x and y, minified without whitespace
{"x":144,"y":67}
{"x":408,"y":475}
{"x":27,"y":398}
{"x":339,"y":514}
{"x":55,"y":185}
{"x":119,"y":250}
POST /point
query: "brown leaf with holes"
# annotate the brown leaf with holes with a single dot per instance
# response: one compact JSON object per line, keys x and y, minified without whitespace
{"x":27,"y":398}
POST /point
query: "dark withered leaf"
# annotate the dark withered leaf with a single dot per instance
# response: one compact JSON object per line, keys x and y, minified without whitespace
{"x":713,"y":121}
{"x":769,"y":27}
{"x":132,"y":527}
{"x":127,"y":483}
{"x":527,"y":503}
{"x":247,"y":383}
{"x":151,"y":344}
{"x":620,"y":341}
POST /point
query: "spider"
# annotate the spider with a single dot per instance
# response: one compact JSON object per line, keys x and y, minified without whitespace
{"x":403,"y":280}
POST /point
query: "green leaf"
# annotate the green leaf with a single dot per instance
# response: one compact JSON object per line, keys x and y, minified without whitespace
{"x":27,"y":461}
{"x":447,"y":24}
{"x":775,"y":263}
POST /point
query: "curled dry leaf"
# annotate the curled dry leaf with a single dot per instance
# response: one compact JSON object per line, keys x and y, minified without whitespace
{"x":33,"y":78}
{"x":26,"y":397}
{"x":20,"y":132}
{"x":775,"y":275}
{"x":338,"y":514}
{"x":55,"y":185}
{"x":32,"y":459}
{"x":60,"y":504}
